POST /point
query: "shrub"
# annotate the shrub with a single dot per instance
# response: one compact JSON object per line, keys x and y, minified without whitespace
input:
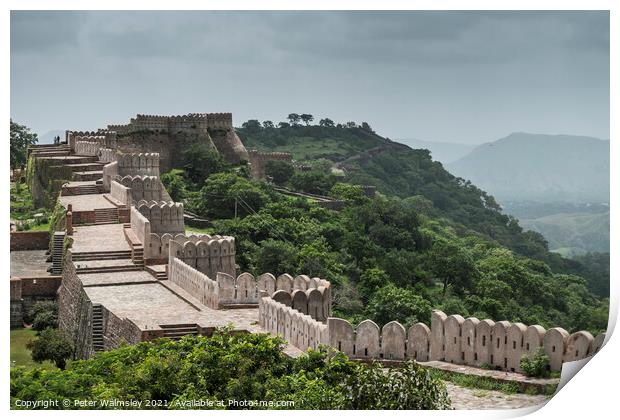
{"x":537,"y":365}
{"x":52,"y":345}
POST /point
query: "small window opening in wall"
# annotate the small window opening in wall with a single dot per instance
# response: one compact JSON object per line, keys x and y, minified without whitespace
{"x":462,"y":355}
{"x":506,"y":340}
{"x":443,"y":347}
{"x":484,"y":340}
{"x":553,"y":349}
{"x":514,"y":344}
{"x":576,"y":353}
{"x":468,"y":341}
{"x":521,"y":341}
{"x":498,"y":343}
{"x":366,"y":351}
{"x":353,"y":348}
{"x":505,"y":363}
{"x":491,"y":359}
{"x":340,"y":346}
{"x":428,"y":347}
{"x":415,"y":354}
{"x":475,"y":356}
{"x":454,"y":340}
{"x":527,"y":346}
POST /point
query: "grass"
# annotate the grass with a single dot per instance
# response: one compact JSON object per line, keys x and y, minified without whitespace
{"x":20,"y":354}
{"x":491,"y":384}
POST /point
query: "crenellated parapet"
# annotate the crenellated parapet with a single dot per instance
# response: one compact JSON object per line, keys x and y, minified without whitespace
{"x":258,"y":161}
{"x":164,"y":217}
{"x":144,"y":188}
{"x":220,"y":121}
{"x":138,"y":164}
{"x":461,"y":341}
{"x":208,"y":254}
{"x":299,"y":329}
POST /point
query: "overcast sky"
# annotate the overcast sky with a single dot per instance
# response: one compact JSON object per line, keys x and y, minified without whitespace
{"x":466,"y":77}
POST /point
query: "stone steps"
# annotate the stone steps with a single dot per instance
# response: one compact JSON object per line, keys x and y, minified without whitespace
{"x":178,"y":331}
{"x":57,"y":247}
{"x":101,"y":255}
{"x":106,"y":216}
{"x":108,"y":269}
{"x":85,"y":167}
{"x":97,"y":328}
{"x":87,"y":175}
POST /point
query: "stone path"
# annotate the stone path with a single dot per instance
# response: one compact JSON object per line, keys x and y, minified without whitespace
{"x":29,"y":264}
{"x":479,"y":399}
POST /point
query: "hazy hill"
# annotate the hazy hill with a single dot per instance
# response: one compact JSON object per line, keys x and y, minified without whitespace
{"x":441,"y":151}
{"x":539,"y":167}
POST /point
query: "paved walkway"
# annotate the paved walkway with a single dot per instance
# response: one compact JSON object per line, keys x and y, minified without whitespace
{"x":98,"y":238}
{"x":86,"y":202}
{"x":479,"y":399}
{"x":29,"y":264}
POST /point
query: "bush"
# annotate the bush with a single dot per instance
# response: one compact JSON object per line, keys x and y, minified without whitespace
{"x":52,"y":345}
{"x":41,"y":308}
{"x":536,"y":366}
{"x":279,"y":171}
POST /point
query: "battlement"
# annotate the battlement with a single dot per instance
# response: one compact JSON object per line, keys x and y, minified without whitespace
{"x":144,"y":188}
{"x":259,"y":159}
{"x":138,"y":164}
{"x":164,"y":217}
{"x":461,"y":341}
{"x":220,"y":121}
{"x":209,"y":255}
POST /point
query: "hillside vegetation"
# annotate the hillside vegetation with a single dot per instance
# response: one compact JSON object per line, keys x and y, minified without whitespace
{"x":447,"y":245}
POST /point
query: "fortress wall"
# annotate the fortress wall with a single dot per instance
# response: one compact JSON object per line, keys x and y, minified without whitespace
{"x":140,"y":225}
{"x":107,"y":155}
{"x":310,"y":296}
{"x":298,"y":329}
{"x":258,"y":161}
{"x":208,"y":254}
{"x":121,"y":193}
{"x":461,"y":341}
{"x":164,"y":217}
{"x":199,"y":285}
{"x":138,"y":164}
{"x":86,"y":148}
{"x":110,"y":171}
{"x":145,"y":188}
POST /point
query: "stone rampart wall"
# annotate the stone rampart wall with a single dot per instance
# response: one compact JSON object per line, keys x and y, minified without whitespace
{"x":164,"y":217}
{"x":121,"y":193}
{"x":209,"y":255}
{"x":140,"y":226}
{"x":298,"y":329}
{"x":86,"y":148}
{"x":138,"y":164}
{"x":461,"y":341}
{"x":143,"y":188}
{"x":198,"y":284}
{"x":258,"y":161}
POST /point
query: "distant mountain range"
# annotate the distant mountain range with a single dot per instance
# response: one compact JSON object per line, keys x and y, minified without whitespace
{"x":545,"y":168}
{"x":440,"y":151}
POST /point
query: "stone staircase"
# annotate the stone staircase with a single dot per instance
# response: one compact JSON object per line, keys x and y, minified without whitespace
{"x":161,"y":276}
{"x":137,"y":255}
{"x":97,"y":328}
{"x":86,"y":189}
{"x":58,"y":244}
{"x":87,"y":175}
{"x":106,"y":216}
{"x":178,"y":331}
{"x":123,"y":265}
{"x":101,"y":255}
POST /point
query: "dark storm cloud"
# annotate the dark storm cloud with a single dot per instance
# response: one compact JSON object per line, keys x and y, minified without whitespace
{"x":462,"y":75}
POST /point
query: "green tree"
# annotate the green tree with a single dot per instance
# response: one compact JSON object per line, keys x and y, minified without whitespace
{"x":202,"y":161}
{"x":277,"y":257}
{"x":252,"y":126}
{"x":21,"y":139}
{"x":222,"y":193}
{"x":313,"y":182}
{"x":372,"y":279}
{"x":294,"y":119}
{"x":391,"y":303}
{"x":306,"y":118}
{"x":52,"y":345}
{"x":280,"y":171}
{"x":326,"y":122}
{"x":453,"y":264}
{"x":268,"y":124}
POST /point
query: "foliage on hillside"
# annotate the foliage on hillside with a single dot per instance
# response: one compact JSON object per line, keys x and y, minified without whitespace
{"x":238,"y":367}
{"x":391,"y":258}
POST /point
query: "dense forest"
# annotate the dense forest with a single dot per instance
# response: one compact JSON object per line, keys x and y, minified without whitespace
{"x":427,"y":240}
